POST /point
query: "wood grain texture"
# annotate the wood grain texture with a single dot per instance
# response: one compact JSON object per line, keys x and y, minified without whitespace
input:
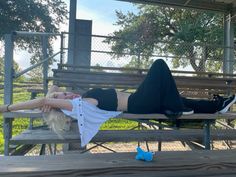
{"x":132,"y":78}
{"x":187,"y":163}
{"x":48,"y":137}
{"x":39,"y":114}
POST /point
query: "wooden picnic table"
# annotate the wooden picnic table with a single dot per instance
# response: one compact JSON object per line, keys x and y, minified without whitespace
{"x":165,"y":164}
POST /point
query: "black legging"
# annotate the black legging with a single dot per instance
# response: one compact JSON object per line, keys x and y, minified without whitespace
{"x":158,"y":92}
{"x":201,"y":106}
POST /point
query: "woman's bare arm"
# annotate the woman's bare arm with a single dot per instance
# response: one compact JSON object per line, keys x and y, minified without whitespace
{"x":52,"y":89}
{"x":40,"y":102}
{"x":50,"y":102}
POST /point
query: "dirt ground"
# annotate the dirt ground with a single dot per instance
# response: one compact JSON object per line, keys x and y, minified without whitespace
{"x":131,"y":147}
{"x":166,"y":146}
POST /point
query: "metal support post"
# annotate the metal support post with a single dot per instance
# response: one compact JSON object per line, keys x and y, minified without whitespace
{"x":160,"y":142}
{"x":207,"y":136}
{"x":8,"y":88}
{"x":62,"y":55}
{"x":228,"y":60}
{"x":8,"y":69}
{"x":7,"y":134}
{"x":71,"y":41}
{"x":45,"y":64}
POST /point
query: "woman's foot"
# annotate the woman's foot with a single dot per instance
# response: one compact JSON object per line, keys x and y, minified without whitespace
{"x":175,"y":115}
{"x":187,"y":111}
{"x":224,"y":103}
{"x":4,"y":108}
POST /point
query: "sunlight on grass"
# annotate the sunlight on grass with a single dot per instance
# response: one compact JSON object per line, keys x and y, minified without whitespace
{"x":19,"y":125}
{"x":118,"y":124}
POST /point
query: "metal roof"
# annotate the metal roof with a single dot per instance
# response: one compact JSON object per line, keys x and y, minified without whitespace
{"x":215,"y":5}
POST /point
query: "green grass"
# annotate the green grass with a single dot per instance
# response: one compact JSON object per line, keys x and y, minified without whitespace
{"x":21,"y":124}
{"x":18,"y":124}
{"x":118,"y":124}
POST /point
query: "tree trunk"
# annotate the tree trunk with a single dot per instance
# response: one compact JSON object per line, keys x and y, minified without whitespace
{"x":201,"y":66}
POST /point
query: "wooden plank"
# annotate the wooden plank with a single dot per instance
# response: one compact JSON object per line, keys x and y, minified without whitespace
{"x":187,"y":82}
{"x":24,"y":114}
{"x":58,"y":72}
{"x":96,"y":78}
{"x":229,"y":115}
{"x":165,"y":164}
{"x":48,"y":137}
{"x":89,"y":86}
{"x":138,"y":77}
{"x":138,"y":70}
{"x":194,"y":93}
{"x":22,"y":150}
{"x":35,"y":90}
{"x":82,"y":84}
{"x":120,"y":78}
{"x":39,"y":114}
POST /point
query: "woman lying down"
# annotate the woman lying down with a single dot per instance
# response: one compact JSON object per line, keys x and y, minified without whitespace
{"x":156,"y":94}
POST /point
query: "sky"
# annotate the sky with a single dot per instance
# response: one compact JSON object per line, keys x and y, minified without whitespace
{"x":102,"y":14}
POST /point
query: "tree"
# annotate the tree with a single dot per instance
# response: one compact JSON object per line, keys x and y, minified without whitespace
{"x":16,"y":68}
{"x":34,"y":16}
{"x":182,"y":33}
{"x":1,"y":69}
{"x":36,"y":75}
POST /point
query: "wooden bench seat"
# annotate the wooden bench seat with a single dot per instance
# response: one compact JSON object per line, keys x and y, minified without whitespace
{"x":42,"y":136}
{"x":200,"y":116}
{"x":195,"y":84}
{"x":124,"y":78}
{"x":100,"y":79}
{"x":165,"y":164}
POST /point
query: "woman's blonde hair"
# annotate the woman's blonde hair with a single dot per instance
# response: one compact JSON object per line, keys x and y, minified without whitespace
{"x":57,"y":121}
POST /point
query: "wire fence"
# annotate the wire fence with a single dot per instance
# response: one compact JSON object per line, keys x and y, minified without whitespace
{"x":179,"y":56}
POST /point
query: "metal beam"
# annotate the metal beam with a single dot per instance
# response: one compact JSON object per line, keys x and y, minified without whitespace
{"x":229,"y":60}
{"x":71,"y":42}
{"x":33,"y":34}
{"x":8,"y":69}
{"x":45,"y":64}
{"x":36,"y":65}
{"x":187,"y":2}
{"x":200,"y":4}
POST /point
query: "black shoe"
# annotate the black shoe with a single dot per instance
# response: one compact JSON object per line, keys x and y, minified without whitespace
{"x":172,"y":115}
{"x":224,"y":103}
{"x":187,"y":111}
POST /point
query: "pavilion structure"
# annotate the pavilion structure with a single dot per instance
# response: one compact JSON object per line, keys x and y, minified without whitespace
{"x":228,"y":7}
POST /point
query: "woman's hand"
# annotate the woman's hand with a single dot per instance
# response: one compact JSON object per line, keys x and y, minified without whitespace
{"x":46,"y":108}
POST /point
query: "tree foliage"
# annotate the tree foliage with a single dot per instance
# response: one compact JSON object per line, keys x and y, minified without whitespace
{"x":16,"y":69}
{"x":182,"y":33}
{"x":32,"y":16}
{"x":28,"y":15}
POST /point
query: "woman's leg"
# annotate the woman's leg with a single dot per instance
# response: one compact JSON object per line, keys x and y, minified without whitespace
{"x":221,"y":104}
{"x":157,"y":93}
{"x":201,"y":106}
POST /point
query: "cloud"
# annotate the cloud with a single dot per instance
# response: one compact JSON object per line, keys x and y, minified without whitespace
{"x":102,"y":22}
{"x":22,"y":58}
